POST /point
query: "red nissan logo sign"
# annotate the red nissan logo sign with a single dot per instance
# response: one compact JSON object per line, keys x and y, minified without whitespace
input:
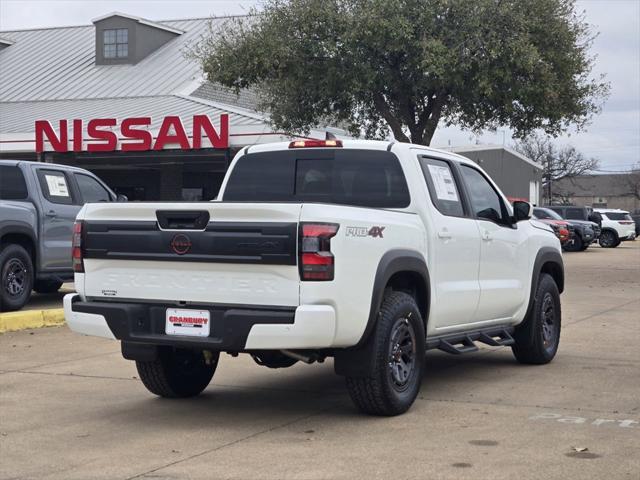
{"x":180,"y":244}
{"x":131,"y":134}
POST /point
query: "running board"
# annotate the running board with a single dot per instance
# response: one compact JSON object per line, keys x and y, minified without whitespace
{"x":457,"y":343}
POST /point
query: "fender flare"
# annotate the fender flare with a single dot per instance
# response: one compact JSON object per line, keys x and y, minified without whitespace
{"x":25,"y":229}
{"x":22,"y":228}
{"x":356,"y":361}
{"x":392,"y":262}
{"x":544,"y":256}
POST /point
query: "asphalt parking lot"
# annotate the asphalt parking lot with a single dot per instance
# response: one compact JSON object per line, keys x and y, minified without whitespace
{"x":41,"y":301}
{"x":72,"y":408}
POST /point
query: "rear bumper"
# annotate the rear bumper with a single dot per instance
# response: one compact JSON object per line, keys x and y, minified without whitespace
{"x":233,"y":328}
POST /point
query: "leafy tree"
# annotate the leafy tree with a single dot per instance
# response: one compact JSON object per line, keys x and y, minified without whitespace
{"x":407,"y":65}
{"x":558,"y":163}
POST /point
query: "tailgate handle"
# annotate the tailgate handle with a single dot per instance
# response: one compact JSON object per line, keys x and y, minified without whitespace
{"x":182,"y":220}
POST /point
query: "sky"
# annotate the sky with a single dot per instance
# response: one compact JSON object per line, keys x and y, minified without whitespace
{"x":613,"y":137}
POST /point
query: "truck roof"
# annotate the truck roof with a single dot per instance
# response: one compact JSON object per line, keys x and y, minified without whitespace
{"x":14,"y":163}
{"x":367,"y":145}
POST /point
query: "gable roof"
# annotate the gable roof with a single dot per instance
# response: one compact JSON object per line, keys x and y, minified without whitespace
{"x":483,"y":148}
{"x":141,"y":20}
{"x":59,"y":64}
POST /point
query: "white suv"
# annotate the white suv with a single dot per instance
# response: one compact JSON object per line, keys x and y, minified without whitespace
{"x":367,"y":252}
{"x":617,"y":227}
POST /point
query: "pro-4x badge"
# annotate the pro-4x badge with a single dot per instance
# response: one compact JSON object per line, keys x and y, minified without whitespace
{"x":374,"y":232}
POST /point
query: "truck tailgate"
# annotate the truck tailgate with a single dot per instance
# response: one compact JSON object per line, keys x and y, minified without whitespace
{"x":225,"y":253}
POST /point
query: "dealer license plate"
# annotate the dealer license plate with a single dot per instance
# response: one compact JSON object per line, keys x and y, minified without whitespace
{"x":191,"y":323}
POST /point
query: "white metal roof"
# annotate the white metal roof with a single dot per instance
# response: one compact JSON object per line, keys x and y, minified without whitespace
{"x":19,"y":117}
{"x":141,"y":20}
{"x":480,"y":148}
{"x":59,"y":64}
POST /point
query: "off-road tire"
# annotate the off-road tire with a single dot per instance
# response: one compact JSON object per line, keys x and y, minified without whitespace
{"x":575,"y":246}
{"x":538,"y":337}
{"x":379,"y":394}
{"x":16,"y":277}
{"x":47,"y":286}
{"x":177,"y":373}
{"x":610,"y":239}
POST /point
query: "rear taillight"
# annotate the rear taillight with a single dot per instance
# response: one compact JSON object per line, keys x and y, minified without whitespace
{"x":625,"y":222}
{"x":315,"y":143}
{"x":316,"y":260}
{"x":76,"y":248}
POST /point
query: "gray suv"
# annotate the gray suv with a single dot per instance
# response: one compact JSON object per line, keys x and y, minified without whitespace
{"x":38,"y":205}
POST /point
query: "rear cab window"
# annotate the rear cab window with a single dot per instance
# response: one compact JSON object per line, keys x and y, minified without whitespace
{"x":12,"y":183}
{"x":365,"y":178}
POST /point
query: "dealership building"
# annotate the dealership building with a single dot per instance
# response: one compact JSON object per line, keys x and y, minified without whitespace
{"x":123,"y":98}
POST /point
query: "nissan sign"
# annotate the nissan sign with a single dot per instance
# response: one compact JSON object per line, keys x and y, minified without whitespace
{"x":130,"y":135}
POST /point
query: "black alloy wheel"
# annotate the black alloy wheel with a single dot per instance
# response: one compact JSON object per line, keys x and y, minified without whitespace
{"x":548,"y":321}
{"x":608,"y":239}
{"x":16,"y":277}
{"x":402,"y":354}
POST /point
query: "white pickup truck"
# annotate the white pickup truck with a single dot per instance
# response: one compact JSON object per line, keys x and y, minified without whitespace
{"x":368,"y":252}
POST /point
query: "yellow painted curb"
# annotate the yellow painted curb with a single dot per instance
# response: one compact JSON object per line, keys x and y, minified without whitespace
{"x":13,"y":321}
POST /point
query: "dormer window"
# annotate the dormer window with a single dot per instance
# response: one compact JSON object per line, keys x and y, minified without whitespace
{"x":123,"y":39}
{"x":116,"y":43}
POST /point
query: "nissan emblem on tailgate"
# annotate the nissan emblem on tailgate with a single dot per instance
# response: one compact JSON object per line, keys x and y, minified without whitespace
{"x":181,"y":244}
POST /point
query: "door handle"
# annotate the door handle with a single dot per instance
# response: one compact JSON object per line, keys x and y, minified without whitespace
{"x":486,"y":235}
{"x":444,"y":234}
{"x":51,"y":214}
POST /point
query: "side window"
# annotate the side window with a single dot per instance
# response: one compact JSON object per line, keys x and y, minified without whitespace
{"x":55,"y":186}
{"x":12,"y":184}
{"x":485,"y":201}
{"x":442,"y":186}
{"x":91,"y":190}
{"x":574,"y":214}
{"x":541,"y":214}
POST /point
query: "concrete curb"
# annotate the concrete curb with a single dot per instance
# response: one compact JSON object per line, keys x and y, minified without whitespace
{"x":14,"y":321}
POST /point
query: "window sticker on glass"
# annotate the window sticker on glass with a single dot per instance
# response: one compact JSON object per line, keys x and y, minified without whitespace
{"x":57,"y":186}
{"x":443,"y":182}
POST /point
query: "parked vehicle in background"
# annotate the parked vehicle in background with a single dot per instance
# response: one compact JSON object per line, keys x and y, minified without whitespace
{"x":584,"y":232}
{"x":367,"y":252}
{"x":38,"y":205}
{"x":560,"y":227}
{"x":571,"y":212}
{"x":617,"y":227}
{"x":636,"y":218}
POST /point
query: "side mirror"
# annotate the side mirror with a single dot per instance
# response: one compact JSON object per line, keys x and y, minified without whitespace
{"x":121,"y":198}
{"x":522,"y":211}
